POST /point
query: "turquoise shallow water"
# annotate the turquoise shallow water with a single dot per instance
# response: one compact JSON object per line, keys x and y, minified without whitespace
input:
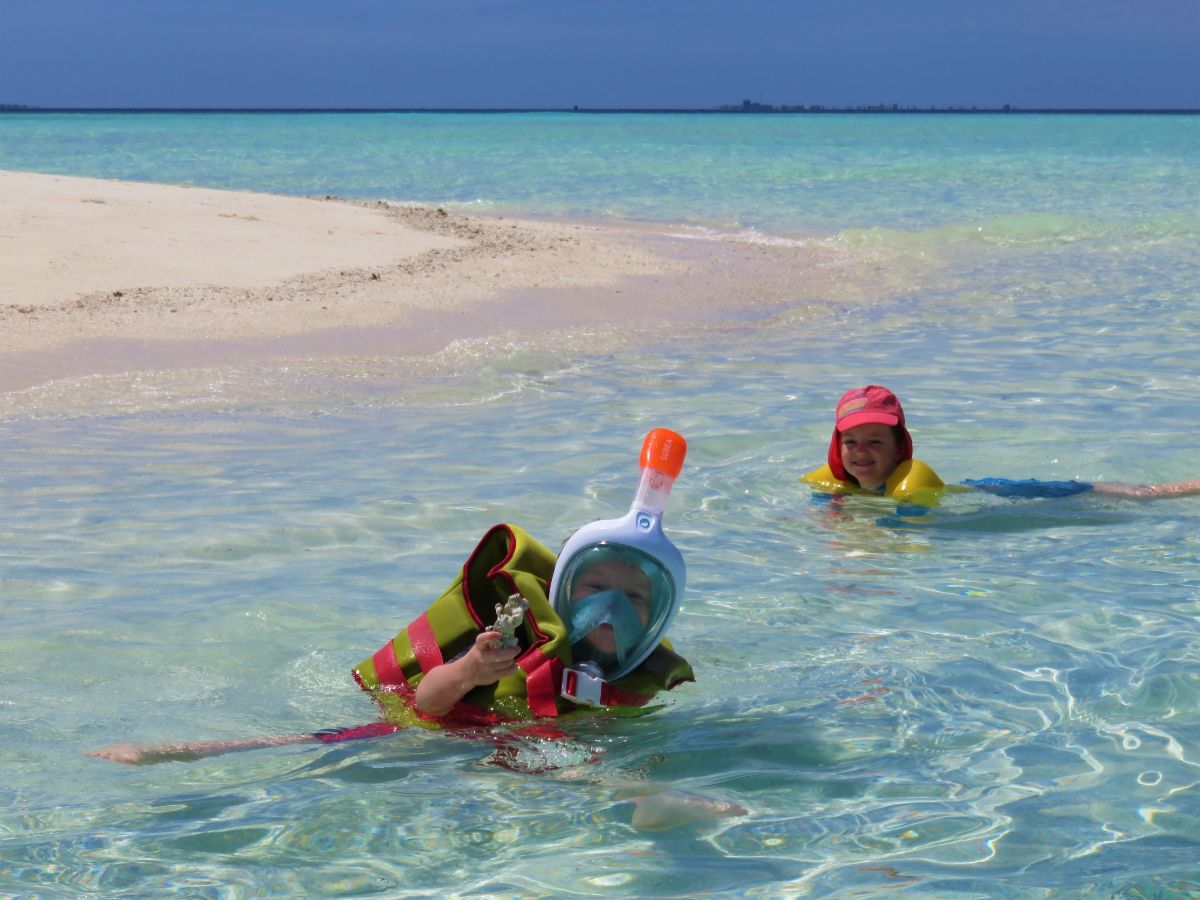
{"x":814,"y":174}
{"x":998,"y":699}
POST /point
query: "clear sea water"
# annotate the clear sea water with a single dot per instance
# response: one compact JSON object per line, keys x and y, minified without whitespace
{"x":998,"y":699}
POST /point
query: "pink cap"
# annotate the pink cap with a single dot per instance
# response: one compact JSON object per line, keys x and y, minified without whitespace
{"x":865,"y":406}
{"x":870,"y":405}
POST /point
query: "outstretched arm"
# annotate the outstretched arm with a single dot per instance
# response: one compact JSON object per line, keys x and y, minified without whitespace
{"x":441,"y":688}
{"x":1149,"y":491}
{"x":484,"y":663}
{"x":135,"y":754}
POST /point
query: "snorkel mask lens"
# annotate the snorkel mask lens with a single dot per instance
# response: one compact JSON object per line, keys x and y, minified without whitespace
{"x":617,"y":602}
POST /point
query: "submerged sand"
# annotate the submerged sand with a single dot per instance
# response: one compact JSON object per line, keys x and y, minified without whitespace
{"x":107,"y":276}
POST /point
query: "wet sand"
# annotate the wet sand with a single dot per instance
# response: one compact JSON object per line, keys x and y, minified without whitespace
{"x":102,"y":277}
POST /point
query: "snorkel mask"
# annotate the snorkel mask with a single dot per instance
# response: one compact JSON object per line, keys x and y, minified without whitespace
{"x":618,"y":582}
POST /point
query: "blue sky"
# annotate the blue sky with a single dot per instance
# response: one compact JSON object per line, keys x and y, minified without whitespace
{"x":604,"y":53}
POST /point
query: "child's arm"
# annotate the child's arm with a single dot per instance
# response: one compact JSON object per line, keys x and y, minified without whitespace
{"x":441,"y":688}
{"x":1148,"y":491}
{"x":185,"y":752}
{"x":483,"y":663}
{"x":150,"y":753}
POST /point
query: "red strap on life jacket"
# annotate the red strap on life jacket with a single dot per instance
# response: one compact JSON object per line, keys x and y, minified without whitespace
{"x":611,"y":695}
{"x":466,"y":715}
{"x":543,"y":684}
{"x":387,"y":668}
{"x":356,"y":733}
{"x":424,"y":643}
{"x":543,"y":675}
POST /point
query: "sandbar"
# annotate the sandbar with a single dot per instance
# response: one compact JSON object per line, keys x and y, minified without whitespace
{"x":100,"y":276}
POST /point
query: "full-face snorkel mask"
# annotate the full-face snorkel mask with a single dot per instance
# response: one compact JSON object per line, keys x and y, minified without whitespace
{"x":618,"y":582}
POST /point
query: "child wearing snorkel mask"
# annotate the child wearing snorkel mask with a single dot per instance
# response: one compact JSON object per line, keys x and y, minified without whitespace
{"x":588,"y":630}
{"x":596,"y":632}
{"x":871,"y":451}
{"x":610,"y":602}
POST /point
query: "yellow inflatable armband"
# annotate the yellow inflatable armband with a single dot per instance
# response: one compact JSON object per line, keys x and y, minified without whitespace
{"x":912,"y":482}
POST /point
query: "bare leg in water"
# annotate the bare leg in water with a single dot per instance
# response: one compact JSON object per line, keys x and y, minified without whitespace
{"x":1148,"y":491}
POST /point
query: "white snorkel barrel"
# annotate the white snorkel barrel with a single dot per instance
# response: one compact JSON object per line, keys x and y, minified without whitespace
{"x":618,"y":582}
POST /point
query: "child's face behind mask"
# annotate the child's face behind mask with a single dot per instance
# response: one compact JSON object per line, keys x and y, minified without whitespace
{"x":612,"y":575}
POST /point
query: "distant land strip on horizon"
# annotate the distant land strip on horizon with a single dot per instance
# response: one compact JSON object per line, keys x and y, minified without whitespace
{"x":745,"y":107}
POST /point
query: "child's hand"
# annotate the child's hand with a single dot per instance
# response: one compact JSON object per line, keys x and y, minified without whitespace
{"x":486,"y":662}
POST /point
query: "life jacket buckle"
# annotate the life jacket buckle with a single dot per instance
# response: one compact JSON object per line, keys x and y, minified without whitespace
{"x":582,"y":687}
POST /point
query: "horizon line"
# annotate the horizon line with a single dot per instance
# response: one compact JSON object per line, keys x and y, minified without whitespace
{"x":746,"y":108}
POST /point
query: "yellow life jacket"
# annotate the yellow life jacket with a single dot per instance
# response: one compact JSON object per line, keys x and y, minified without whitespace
{"x":507,"y":560}
{"x":912,"y":482}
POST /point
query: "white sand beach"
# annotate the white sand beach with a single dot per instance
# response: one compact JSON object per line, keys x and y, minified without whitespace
{"x":107,"y":276}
